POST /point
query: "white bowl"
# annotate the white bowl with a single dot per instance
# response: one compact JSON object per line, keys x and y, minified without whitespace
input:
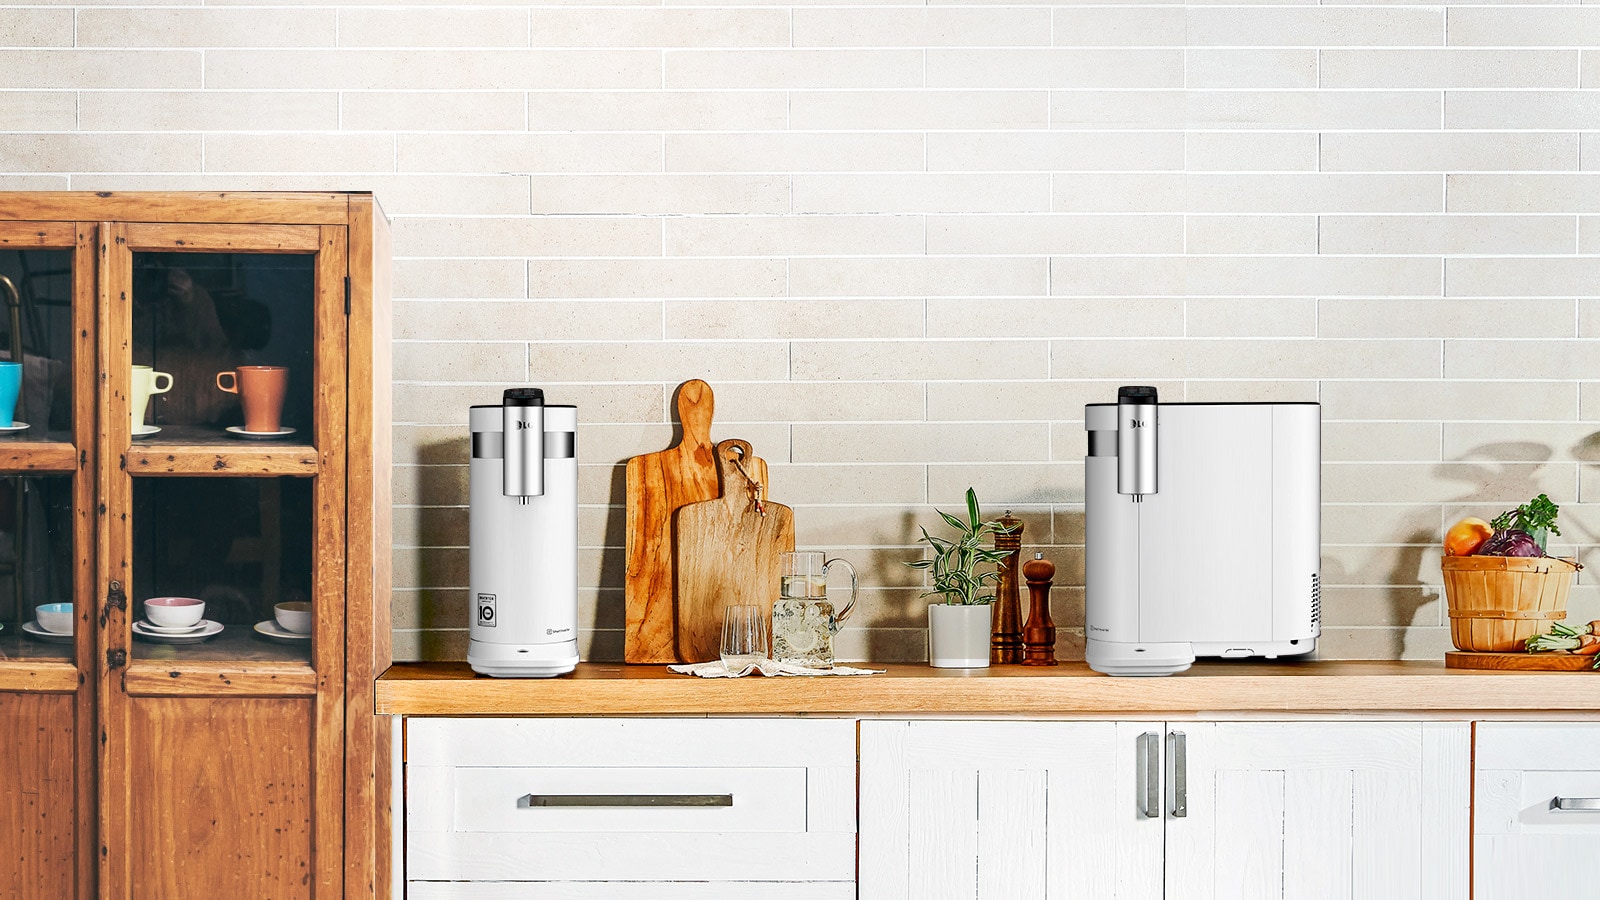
{"x":174,"y":612}
{"x":55,"y":618}
{"x":294,"y":616}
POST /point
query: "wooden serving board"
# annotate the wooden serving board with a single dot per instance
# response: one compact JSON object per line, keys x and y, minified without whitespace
{"x":1522,"y":662}
{"x":728,"y":553}
{"x":657,"y":485}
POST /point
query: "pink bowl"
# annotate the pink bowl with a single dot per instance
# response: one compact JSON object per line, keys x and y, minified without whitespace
{"x":174,"y":612}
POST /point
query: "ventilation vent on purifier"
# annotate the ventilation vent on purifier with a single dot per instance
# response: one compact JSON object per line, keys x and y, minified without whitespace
{"x":1316,"y":599}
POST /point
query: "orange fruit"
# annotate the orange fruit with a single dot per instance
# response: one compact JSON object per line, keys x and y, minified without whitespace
{"x":1466,"y":536}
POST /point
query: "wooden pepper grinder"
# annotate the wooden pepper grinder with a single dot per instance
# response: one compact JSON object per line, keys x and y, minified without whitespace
{"x":1005,"y":644}
{"x":1040,"y":635}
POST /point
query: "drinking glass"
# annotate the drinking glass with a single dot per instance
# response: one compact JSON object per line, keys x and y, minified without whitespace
{"x":744,"y":637}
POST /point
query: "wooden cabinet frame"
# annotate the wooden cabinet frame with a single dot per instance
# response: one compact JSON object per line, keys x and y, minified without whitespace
{"x":115,"y":695}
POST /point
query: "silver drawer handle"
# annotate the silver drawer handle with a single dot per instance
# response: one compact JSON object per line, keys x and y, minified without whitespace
{"x":624,"y":800}
{"x":1178,"y":774}
{"x":1575,"y":803}
{"x":1149,"y":770}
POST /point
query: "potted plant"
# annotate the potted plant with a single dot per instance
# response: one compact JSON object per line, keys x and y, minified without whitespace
{"x":958,"y":628}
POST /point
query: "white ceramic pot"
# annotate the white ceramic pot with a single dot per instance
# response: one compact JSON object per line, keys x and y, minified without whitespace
{"x":958,"y":636}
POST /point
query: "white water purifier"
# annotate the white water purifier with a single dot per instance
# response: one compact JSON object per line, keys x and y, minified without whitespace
{"x":523,"y":526}
{"x":1203,"y":531}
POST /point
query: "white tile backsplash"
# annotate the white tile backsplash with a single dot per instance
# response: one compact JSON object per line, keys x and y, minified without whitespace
{"x":907,"y":241}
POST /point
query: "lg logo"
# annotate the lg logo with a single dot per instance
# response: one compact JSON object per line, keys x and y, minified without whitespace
{"x":524,"y":426}
{"x":1139,"y":423}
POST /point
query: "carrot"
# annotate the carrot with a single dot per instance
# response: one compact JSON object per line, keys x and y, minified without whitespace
{"x":1588,"y":645}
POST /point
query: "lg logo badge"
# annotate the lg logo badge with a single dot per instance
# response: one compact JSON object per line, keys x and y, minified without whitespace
{"x":486,"y":618}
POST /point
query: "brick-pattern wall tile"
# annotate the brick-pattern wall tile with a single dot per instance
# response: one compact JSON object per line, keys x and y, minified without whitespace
{"x":907,"y":242}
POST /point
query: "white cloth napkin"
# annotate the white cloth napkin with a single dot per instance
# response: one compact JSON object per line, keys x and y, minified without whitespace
{"x":769,"y":668}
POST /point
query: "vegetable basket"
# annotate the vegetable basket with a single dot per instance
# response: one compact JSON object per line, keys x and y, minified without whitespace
{"x":1497,"y":602}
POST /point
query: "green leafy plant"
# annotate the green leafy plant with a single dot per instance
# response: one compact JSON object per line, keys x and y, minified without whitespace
{"x":1537,"y":517}
{"x":954,"y":566}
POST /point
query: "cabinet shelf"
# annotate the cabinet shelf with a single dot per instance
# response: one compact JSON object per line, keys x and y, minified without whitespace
{"x":185,"y":676}
{"x":19,"y":455}
{"x":197,"y":450}
{"x":236,"y":644}
{"x":57,"y":675}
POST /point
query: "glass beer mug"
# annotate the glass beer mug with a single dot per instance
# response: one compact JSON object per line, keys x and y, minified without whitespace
{"x":803,"y":620}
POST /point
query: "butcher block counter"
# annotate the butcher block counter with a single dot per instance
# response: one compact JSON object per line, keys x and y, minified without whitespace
{"x":1071,"y":689}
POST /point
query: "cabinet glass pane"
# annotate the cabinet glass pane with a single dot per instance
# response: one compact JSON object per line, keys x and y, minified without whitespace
{"x":36,"y":329}
{"x":36,"y":565}
{"x":241,"y":545}
{"x":199,"y":314}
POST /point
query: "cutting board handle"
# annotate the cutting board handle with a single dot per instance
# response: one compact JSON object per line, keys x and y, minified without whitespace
{"x":736,"y":486}
{"x":695,"y":406}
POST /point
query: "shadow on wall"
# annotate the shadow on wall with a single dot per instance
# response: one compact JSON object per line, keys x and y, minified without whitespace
{"x":611,"y":603}
{"x":1495,"y":475}
{"x":888,"y":569}
{"x":434,"y":574}
{"x":611,"y":606}
{"x":1576,"y":532}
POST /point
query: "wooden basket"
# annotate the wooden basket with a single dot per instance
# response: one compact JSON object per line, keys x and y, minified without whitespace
{"x":1497,"y":602}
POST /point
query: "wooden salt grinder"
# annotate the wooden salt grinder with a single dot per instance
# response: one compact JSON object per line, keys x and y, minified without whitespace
{"x":1040,"y":635}
{"x":1005,"y":643}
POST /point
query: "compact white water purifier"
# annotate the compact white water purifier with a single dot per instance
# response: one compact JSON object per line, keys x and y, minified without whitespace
{"x":1203,"y":532}
{"x":524,"y":537}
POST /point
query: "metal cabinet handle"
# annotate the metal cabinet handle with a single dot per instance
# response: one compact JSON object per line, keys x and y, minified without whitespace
{"x":1177,"y":774}
{"x":624,"y":800}
{"x":1149,"y":769}
{"x":1575,"y":803}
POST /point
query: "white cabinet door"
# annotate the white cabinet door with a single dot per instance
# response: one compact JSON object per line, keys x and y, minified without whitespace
{"x":1535,"y":819}
{"x":1006,"y":811}
{"x":1321,"y":811}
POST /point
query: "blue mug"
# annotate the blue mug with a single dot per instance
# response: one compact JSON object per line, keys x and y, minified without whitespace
{"x":10,"y":389}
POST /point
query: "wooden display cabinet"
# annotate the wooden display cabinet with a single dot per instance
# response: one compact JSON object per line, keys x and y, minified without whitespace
{"x":248,"y":764}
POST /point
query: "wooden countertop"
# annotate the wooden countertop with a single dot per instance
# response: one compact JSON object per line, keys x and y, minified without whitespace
{"x":1327,"y":687}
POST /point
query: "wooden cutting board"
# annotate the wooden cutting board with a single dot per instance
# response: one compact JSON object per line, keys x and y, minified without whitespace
{"x":1523,"y":662}
{"x":728,"y":553}
{"x":657,"y":485}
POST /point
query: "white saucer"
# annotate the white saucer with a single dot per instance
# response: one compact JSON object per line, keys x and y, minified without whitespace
{"x":144,"y":431}
{"x":238,"y":431}
{"x":32,"y":629}
{"x":272,"y":631}
{"x":211,"y":629}
{"x":153,"y":628}
{"x":14,"y":427}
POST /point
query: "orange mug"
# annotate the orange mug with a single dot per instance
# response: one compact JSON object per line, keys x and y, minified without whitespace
{"x":260,"y":390}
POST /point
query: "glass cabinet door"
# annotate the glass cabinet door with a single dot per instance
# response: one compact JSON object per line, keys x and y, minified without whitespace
{"x":230,"y":445}
{"x":223,"y":358}
{"x":47,"y":466}
{"x":38,"y":546}
{"x":222,"y":550}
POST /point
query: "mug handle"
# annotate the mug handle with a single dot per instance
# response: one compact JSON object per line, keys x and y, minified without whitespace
{"x":155,"y":379}
{"x":233,"y":387}
{"x":843,"y":614}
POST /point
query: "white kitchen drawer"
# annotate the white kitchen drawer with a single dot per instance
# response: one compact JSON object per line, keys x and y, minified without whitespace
{"x":551,"y":801}
{"x":1522,"y":847}
{"x":629,"y":890}
{"x":564,"y":799}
